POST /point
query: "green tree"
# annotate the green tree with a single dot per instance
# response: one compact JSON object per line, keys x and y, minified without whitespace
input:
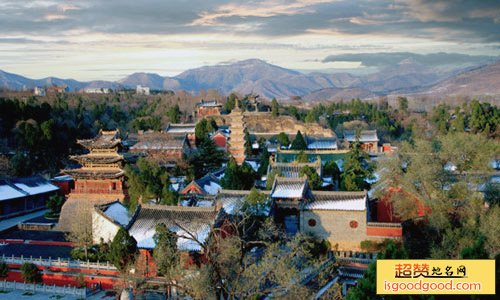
{"x":264,"y":162}
{"x":230,"y":103}
{"x":403,"y":104}
{"x":282,"y":139}
{"x":201,"y":132}
{"x":208,"y":158}
{"x":312,"y":176}
{"x":367,"y":286}
{"x":356,"y":169}
{"x":275,"y":108}
{"x":311,"y":117}
{"x":174,"y":114}
{"x":331,"y":169}
{"x":299,"y":143}
{"x":54,"y":204}
{"x":4,"y":269}
{"x":271,"y":176}
{"x":122,"y":250}
{"x":254,"y":203}
{"x":449,"y":198}
{"x":30,"y":273}
{"x":248,"y":143}
{"x":212,"y":125}
{"x":165,"y":251}
{"x":302,"y":157}
{"x":293,"y":112}
{"x":476,"y":251}
{"x":149,"y":181}
{"x":238,"y":177}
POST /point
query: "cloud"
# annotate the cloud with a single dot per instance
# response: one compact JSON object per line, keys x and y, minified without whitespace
{"x":384,"y":59}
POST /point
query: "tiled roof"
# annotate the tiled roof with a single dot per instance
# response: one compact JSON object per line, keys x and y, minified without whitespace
{"x":104,"y":139}
{"x":208,"y":184}
{"x":292,"y":170}
{"x":231,"y":200}
{"x":180,"y":128}
{"x":289,"y":187}
{"x":116,"y":212}
{"x":208,"y":103}
{"x":365,"y":136}
{"x":196,"y":220}
{"x":25,"y":186}
{"x":326,"y":200}
{"x":97,"y":158}
{"x":160,"y":142}
{"x":95,"y":173}
{"x":321,"y":143}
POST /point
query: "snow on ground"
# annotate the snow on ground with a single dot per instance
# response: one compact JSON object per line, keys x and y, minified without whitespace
{"x":119,"y":213}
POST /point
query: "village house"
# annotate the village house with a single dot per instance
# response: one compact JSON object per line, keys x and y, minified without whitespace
{"x":89,"y":90}
{"x":199,"y":189}
{"x":166,"y":149}
{"x":181,"y":130}
{"x":142,"y":90}
{"x":207,"y":108}
{"x":292,"y":169}
{"x":39,"y":91}
{"x":107,"y":219}
{"x":368,"y":139}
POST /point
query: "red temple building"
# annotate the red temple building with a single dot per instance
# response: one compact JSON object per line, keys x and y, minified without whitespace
{"x":207,"y":108}
{"x":99,"y":181}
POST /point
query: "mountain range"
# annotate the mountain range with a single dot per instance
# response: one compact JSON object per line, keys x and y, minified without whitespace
{"x":268,"y":81}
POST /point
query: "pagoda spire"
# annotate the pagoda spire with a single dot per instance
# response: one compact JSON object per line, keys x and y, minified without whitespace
{"x":237,"y":135}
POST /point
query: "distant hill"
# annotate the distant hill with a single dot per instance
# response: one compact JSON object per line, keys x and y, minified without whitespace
{"x":268,"y":81}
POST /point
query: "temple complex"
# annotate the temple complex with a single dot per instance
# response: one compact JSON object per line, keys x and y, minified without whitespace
{"x":98,"y":181}
{"x":237,"y":135}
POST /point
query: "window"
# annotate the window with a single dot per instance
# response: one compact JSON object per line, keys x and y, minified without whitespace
{"x":113,"y":186}
{"x":311,"y":222}
{"x":353,"y":224}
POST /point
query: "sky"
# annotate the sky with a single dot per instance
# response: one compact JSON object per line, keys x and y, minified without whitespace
{"x":110,"y":39}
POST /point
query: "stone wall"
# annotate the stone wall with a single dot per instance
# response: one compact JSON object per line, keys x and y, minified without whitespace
{"x":264,"y":122}
{"x":345,"y":228}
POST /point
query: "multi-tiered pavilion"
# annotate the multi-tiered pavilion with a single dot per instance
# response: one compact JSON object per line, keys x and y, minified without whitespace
{"x":99,"y":180}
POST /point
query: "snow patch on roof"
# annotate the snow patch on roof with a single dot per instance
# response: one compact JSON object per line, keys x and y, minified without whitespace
{"x":119,"y":213}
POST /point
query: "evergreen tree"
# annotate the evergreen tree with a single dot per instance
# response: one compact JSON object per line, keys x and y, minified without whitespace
{"x":230,"y":103}
{"x":208,"y":158}
{"x":4,"y":269}
{"x":331,"y":169}
{"x":174,"y":114}
{"x":275,"y":108}
{"x":271,"y":176}
{"x":264,"y":163}
{"x":312,"y":176}
{"x":165,"y":252}
{"x":356,"y":169}
{"x":302,"y":157}
{"x":283,"y":140}
{"x":149,"y":181}
{"x":212,"y":125}
{"x":30,"y":273}
{"x":201,"y":132}
{"x":122,"y":250}
{"x":403,"y":104}
{"x":299,"y":143}
{"x":238,"y":178}
{"x":248,"y":143}
{"x":293,"y":112}
{"x":477,"y":251}
{"x":311,"y":117}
